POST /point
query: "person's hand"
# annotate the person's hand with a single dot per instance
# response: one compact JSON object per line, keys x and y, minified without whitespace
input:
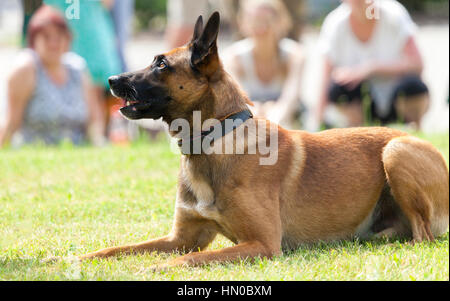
{"x":256,"y":109}
{"x":261,"y":109}
{"x":269,"y":106}
{"x":351,"y":77}
{"x":108,"y":4}
{"x":276,"y":111}
{"x":2,"y":142}
{"x":5,"y":137}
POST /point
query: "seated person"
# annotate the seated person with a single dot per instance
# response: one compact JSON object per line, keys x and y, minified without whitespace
{"x":49,"y":94}
{"x":181,"y":17}
{"x":266,"y":64}
{"x":371,"y":53}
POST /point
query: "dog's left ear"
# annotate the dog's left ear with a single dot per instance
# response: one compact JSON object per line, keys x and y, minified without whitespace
{"x":198,"y":29}
{"x":204,"y":55}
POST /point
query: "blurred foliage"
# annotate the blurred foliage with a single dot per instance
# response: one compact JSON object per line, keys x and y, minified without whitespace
{"x":146,"y":10}
{"x":421,"y":5}
{"x":151,"y":12}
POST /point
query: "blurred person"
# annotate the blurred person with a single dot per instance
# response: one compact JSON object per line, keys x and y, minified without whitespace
{"x":94,"y":39}
{"x":120,"y":130}
{"x":267,"y":64}
{"x":370,"y":51}
{"x":122,"y":14}
{"x":181,"y":17}
{"x":49,"y":92}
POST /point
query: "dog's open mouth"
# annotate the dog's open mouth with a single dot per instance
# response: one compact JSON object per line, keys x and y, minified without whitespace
{"x":134,"y":105}
{"x":134,"y":109}
{"x":130,"y":103}
{"x":127,"y":103}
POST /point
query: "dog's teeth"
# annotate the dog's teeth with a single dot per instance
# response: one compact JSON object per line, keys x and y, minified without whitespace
{"x":128,"y":103}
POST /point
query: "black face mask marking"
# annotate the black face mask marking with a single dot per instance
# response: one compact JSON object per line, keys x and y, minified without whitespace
{"x":144,"y":94}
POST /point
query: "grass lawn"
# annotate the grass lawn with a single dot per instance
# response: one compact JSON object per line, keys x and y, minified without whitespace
{"x":65,"y":201}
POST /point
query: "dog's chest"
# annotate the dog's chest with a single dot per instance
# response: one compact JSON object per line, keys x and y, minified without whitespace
{"x":204,"y":204}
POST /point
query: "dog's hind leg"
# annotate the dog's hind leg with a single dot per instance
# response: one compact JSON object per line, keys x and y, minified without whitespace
{"x":387,"y":233}
{"x":418,"y":177}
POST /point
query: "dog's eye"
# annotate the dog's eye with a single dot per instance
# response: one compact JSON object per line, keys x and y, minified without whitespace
{"x":162,"y":65}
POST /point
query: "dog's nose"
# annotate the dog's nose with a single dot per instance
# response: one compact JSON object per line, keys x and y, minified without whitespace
{"x":113,"y":80}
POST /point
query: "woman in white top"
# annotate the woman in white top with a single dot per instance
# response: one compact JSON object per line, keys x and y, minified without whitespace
{"x":371,"y":53}
{"x":267,"y":65}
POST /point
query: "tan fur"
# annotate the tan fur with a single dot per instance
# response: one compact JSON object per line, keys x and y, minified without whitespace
{"x":325,"y":186}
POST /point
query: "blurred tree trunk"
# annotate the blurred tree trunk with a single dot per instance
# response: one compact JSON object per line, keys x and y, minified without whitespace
{"x":297,"y":10}
{"x":30,"y":6}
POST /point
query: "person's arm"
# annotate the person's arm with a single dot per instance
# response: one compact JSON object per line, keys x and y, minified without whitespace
{"x":290,"y":95}
{"x":232,"y":64}
{"x":20,"y":85}
{"x":108,"y":4}
{"x":324,"y":86}
{"x":95,"y":126}
{"x":410,"y":63}
{"x":234,"y":67}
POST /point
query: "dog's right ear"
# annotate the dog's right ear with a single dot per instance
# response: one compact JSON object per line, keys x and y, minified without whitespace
{"x":204,"y":55}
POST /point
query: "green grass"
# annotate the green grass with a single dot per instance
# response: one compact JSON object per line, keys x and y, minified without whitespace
{"x":65,"y":201}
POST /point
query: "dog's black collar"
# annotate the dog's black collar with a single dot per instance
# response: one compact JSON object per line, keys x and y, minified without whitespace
{"x":195,"y":147}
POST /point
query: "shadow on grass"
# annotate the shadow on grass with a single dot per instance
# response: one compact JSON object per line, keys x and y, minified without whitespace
{"x":354,"y":246}
{"x":18,"y":263}
{"x":310,"y":252}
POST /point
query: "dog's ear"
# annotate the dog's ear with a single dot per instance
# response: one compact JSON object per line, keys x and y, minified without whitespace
{"x":197,"y":29}
{"x":204,"y":55}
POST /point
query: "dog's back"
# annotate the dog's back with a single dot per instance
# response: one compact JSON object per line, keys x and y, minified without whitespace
{"x":337,"y":179}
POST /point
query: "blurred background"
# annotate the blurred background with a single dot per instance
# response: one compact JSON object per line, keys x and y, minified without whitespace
{"x":116,"y":36}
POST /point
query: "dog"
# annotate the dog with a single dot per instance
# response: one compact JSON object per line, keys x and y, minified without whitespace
{"x":333,"y":185}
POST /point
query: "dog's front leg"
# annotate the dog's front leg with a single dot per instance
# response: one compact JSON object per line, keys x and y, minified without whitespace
{"x":245,"y":250}
{"x":163,"y":244}
{"x":255,"y":224}
{"x":188,"y":234}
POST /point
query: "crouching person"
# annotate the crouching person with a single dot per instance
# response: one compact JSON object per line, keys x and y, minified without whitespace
{"x":371,"y":53}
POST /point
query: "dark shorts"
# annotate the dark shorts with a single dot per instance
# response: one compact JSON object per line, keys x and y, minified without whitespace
{"x":410,"y":85}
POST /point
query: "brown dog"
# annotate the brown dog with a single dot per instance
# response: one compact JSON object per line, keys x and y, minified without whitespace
{"x":333,"y":185}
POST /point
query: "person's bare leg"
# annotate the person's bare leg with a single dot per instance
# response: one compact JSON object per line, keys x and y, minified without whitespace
{"x":411,"y":109}
{"x":353,"y":112}
{"x":97,"y":128}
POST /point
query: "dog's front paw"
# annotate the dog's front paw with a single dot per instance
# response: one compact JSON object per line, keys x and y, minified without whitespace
{"x":98,"y":254}
{"x":51,"y":259}
{"x":56,"y":259}
{"x":161,"y":268}
{"x":89,"y":256}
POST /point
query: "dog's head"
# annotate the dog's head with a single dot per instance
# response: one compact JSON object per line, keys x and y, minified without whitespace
{"x":174,"y":84}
